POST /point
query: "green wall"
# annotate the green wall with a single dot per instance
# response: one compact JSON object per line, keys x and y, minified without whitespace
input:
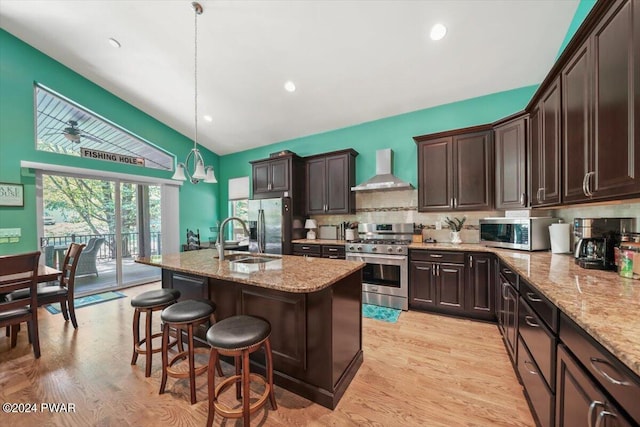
{"x":20,"y":66}
{"x":393,"y":132}
{"x":584,"y":7}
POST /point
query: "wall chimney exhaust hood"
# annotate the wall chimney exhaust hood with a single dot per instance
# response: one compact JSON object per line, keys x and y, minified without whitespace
{"x":384,"y":180}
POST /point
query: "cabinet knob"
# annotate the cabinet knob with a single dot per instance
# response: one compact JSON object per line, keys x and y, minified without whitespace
{"x":523,"y":199}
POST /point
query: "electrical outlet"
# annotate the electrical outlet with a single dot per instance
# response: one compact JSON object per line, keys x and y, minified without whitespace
{"x":438,"y":225}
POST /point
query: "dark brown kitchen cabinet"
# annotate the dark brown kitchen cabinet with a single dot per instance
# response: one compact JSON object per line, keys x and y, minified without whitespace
{"x":437,"y":281}
{"x":329,"y":178}
{"x":422,"y":285}
{"x":279,"y":176}
{"x":544,"y":148}
{"x":511,"y":163}
{"x":608,"y":373}
{"x":602,"y":159}
{"x":455,"y":170}
{"x":507,"y":312}
{"x":189,"y":285}
{"x":580,"y":401}
{"x":311,"y":250}
{"x":576,"y":118}
{"x":333,"y":251}
{"x":479,"y":286}
{"x":541,"y":398}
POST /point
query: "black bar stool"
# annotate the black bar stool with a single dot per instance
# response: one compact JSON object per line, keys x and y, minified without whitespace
{"x":185,"y":315}
{"x":239,"y":336}
{"x":147,"y":303}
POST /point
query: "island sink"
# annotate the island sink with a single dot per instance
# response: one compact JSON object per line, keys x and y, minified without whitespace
{"x":244,"y":259}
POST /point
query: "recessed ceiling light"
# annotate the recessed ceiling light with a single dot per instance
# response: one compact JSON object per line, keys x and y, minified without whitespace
{"x":290,"y":86}
{"x":207,"y":118}
{"x":438,"y":32}
{"x":113,"y":42}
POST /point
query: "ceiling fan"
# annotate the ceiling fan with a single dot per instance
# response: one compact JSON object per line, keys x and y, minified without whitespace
{"x":73,"y":133}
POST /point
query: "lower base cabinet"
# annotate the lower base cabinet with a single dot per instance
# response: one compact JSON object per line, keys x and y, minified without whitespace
{"x":580,"y":401}
{"x":541,"y":398}
{"x":457,"y":283}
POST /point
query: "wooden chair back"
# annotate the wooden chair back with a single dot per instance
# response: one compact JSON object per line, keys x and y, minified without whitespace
{"x":20,"y":272}
{"x":70,"y":265}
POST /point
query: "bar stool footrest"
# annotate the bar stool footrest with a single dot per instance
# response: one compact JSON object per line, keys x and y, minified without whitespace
{"x":228,"y":412}
{"x":180,"y":371}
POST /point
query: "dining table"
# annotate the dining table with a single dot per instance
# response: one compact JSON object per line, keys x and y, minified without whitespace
{"x":45,"y":274}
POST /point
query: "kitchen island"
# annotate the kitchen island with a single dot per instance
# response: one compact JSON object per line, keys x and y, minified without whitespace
{"x":313,"y":305}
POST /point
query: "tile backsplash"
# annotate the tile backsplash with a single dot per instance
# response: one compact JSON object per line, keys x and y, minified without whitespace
{"x":401,"y":206}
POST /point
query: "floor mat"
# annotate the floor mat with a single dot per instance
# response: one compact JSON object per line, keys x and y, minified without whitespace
{"x":385,"y":314}
{"x":85,"y":301}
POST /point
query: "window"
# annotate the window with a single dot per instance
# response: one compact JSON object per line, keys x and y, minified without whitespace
{"x":238,"y":206}
{"x":67,"y":128}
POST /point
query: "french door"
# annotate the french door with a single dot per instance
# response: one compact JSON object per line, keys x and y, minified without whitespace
{"x":117,"y":220}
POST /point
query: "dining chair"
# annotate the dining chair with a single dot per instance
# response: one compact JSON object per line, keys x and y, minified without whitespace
{"x":20,"y":274}
{"x":63,"y":292}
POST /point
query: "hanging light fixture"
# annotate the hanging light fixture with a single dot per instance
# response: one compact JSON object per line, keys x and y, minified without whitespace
{"x":199,"y":172}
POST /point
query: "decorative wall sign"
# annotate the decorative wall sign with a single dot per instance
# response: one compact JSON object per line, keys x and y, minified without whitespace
{"x":111,"y":157}
{"x":11,"y":194}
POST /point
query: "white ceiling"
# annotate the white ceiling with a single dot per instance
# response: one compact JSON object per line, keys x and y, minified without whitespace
{"x":352,"y":61}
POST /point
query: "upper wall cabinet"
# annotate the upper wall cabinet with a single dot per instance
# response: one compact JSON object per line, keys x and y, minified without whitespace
{"x":544,"y":148}
{"x":279,"y":176}
{"x":455,"y":170}
{"x":601,"y":109}
{"x":330,"y":177}
{"x":511,"y":163}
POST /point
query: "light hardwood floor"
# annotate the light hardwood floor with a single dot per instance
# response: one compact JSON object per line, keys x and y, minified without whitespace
{"x":424,"y":370}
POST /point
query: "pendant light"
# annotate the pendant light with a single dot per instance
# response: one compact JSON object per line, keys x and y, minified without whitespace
{"x":194,"y":159}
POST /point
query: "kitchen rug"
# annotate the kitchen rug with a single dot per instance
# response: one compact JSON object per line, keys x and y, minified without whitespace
{"x":385,"y":314}
{"x":85,"y":301}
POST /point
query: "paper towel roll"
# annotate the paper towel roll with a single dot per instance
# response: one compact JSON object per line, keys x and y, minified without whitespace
{"x":560,"y":238}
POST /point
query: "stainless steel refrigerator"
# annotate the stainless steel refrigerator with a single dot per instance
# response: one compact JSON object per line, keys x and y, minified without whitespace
{"x":271,"y":224}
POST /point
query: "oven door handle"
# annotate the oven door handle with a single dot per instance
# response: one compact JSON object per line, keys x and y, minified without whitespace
{"x":376,"y":259}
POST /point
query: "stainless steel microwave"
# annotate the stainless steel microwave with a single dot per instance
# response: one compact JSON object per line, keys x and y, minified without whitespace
{"x":528,"y":234}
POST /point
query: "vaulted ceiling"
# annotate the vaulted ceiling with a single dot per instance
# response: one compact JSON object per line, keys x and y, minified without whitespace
{"x":351,"y":61}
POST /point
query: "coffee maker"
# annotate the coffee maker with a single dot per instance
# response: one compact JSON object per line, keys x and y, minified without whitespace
{"x":596,"y":239}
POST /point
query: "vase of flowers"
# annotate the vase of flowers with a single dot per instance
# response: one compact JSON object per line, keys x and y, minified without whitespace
{"x":455,"y":225}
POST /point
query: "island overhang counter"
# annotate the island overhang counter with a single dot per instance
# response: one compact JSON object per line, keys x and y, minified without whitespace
{"x":313,"y":305}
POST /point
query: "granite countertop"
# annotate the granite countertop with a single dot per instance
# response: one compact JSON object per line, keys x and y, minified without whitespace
{"x":604,"y":304}
{"x":320,"y":242}
{"x":285,"y":273}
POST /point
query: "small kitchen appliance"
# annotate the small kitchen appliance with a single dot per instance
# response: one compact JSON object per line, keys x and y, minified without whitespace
{"x":596,"y":239}
{"x":528,"y":233}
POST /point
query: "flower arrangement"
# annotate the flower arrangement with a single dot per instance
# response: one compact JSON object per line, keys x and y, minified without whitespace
{"x":455,"y":224}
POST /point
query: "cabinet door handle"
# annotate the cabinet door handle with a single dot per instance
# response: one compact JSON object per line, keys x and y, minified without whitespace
{"x":594,"y":360}
{"x":533,"y":297}
{"x":533,"y":370}
{"x":592,"y":407}
{"x":584,"y":184}
{"x":333,"y":256}
{"x":333,"y":250}
{"x":435,"y":255}
{"x":423,"y":268}
{"x":470,"y":261}
{"x":588,"y":183}
{"x":507,"y":271}
{"x":538,"y":194}
{"x":438,"y":269}
{"x":602,"y":415}
{"x":504,"y":290}
{"x":305,"y":248}
{"x":523,"y":199}
{"x":529,"y":320}
{"x":455,"y":202}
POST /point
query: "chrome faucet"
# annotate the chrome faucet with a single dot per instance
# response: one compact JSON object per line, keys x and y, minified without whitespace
{"x":220,"y":244}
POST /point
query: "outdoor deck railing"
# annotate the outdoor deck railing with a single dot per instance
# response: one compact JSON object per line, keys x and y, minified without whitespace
{"x":108,"y":250}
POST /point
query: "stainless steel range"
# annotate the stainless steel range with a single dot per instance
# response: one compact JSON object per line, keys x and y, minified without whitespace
{"x":384,"y":248}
